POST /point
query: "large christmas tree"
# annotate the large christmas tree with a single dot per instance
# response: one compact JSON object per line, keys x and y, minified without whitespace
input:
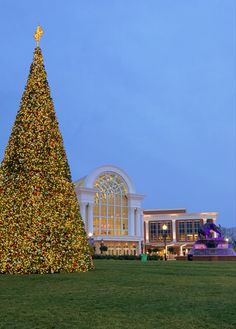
{"x":41,"y":230}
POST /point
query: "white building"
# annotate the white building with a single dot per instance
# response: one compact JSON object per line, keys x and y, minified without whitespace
{"x":181,"y":228}
{"x":113,"y":215}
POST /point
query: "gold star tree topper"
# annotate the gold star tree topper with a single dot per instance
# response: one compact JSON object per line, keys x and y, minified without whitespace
{"x":38,"y":34}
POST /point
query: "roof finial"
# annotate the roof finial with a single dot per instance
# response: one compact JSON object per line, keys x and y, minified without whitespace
{"x":38,"y":34}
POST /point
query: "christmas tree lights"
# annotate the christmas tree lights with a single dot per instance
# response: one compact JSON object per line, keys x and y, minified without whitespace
{"x":41,"y":229}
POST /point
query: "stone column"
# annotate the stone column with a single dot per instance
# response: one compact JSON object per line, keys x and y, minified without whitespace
{"x":141,"y":224}
{"x":147,"y":231}
{"x":138,"y":222}
{"x":139,"y":247}
{"x":90,"y":218}
{"x":83,"y":212}
{"x":131,"y":221}
{"x":174,"y":229}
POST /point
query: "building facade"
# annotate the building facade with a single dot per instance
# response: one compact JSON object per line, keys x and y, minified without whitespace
{"x":111,"y":210}
{"x":181,"y":230}
{"x":113,"y":216}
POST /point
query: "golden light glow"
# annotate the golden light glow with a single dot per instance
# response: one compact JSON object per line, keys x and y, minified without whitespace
{"x":164,"y":227}
{"x":38,"y":34}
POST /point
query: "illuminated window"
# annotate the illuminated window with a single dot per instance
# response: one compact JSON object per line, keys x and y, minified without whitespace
{"x":188,"y":230}
{"x":156,"y":231}
{"x":153,"y":231}
{"x":196,"y":229}
{"x":111,"y":205}
{"x":181,"y":226}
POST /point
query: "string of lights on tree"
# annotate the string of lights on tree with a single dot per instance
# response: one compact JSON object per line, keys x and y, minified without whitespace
{"x":41,"y":229}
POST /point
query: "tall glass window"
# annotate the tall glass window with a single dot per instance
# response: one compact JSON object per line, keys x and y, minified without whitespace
{"x":110,"y":214}
{"x":196,"y":229}
{"x":188,"y":230}
{"x":153,"y":231}
{"x":156,"y":231}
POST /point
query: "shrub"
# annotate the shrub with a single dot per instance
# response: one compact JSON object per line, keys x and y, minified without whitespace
{"x":126,"y":257}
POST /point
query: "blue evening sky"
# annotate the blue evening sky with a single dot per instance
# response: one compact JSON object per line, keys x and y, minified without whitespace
{"x":147,"y":85}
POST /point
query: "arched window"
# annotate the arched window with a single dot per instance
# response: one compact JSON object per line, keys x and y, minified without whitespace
{"x":110,"y":213}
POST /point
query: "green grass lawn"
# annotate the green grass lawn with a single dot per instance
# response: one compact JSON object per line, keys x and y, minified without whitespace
{"x":124,"y":294}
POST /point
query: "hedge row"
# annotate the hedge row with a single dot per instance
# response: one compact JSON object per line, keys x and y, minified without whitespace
{"x":126,"y":257}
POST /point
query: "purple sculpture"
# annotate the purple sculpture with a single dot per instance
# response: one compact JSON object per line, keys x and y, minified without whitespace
{"x":208,"y":229}
{"x":211,"y":243}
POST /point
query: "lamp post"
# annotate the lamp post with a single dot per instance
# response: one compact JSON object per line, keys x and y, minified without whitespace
{"x":101,"y":246}
{"x":164,"y":235}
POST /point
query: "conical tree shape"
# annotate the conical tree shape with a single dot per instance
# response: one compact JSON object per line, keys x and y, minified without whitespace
{"x":41,"y":230}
